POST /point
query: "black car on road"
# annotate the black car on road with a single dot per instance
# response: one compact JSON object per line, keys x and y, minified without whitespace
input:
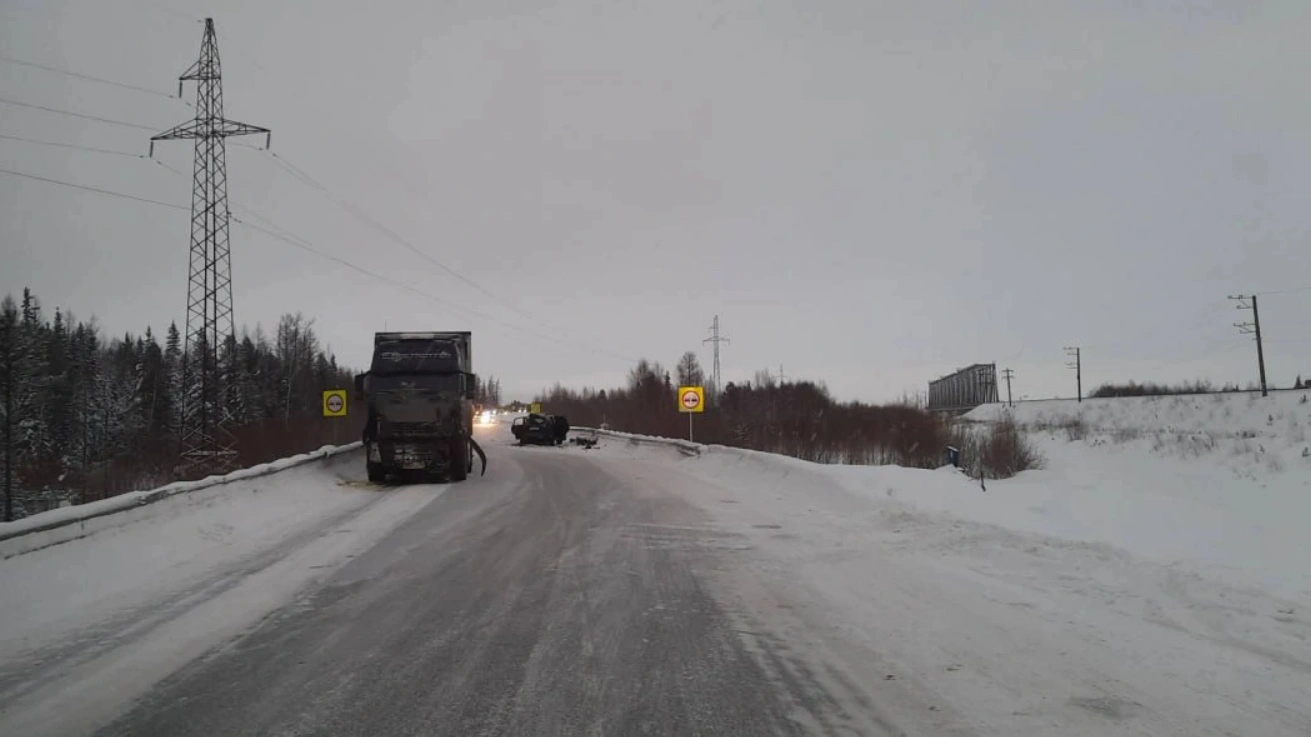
{"x":535,"y":429}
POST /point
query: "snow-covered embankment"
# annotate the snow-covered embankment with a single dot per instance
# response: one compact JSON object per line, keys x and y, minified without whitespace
{"x":1151,"y":578}
{"x":92,"y":622}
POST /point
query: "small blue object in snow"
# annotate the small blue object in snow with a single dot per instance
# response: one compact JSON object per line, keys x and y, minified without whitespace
{"x":953,"y":456}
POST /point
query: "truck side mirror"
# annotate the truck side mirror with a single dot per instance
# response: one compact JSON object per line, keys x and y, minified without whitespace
{"x":359,"y":385}
{"x":470,"y":386}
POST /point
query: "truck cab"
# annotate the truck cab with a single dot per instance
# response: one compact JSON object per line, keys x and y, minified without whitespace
{"x":419,"y":393}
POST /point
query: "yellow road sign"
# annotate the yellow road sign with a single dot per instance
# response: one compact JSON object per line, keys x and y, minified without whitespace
{"x":691,"y":399}
{"x":535,"y":408}
{"x":334,"y":403}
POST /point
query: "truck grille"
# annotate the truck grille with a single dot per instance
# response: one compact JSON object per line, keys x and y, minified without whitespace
{"x":402,"y":429}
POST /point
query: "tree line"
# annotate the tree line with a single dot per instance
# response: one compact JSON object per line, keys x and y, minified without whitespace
{"x":86,"y":417}
{"x":796,"y":418}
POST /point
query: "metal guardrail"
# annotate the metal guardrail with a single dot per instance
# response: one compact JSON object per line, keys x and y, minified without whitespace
{"x":74,"y":519}
{"x":685,"y":447}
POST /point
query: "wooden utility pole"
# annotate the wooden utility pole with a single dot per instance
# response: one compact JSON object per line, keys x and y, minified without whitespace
{"x":1078,"y":370}
{"x":1007,"y":373}
{"x":1250,"y":328}
{"x":10,"y":350}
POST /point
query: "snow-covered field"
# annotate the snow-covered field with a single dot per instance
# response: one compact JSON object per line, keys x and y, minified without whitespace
{"x":91,"y":623}
{"x":1154,"y":578}
{"x":1223,"y":481}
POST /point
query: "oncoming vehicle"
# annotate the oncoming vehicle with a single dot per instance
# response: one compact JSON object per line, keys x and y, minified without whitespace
{"x":535,"y":429}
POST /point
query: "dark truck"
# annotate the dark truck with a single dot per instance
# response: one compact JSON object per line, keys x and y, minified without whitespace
{"x":419,"y":394}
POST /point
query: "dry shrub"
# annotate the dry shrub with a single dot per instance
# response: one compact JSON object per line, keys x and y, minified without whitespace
{"x":797,"y":418}
{"x":1075,"y":427}
{"x":1006,"y":451}
{"x":1125,"y":434}
{"x":1192,"y":445}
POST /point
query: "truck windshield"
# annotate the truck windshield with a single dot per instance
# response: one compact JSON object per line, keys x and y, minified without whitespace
{"x":407,"y":356}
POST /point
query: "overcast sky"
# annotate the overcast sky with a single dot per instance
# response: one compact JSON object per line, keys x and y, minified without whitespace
{"x":868,"y":193}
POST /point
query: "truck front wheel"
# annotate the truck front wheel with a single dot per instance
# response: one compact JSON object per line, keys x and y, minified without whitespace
{"x":459,"y":460}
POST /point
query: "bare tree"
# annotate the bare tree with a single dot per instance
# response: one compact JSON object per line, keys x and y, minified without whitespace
{"x":689,"y":371}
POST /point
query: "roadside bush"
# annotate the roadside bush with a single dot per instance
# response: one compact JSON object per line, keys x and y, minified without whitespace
{"x":1148,"y":389}
{"x":1075,"y":428}
{"x":1125,"y":434}
{"x":795,"y":418}
{"x":1006,"y":451}
{"x":997,"y":451}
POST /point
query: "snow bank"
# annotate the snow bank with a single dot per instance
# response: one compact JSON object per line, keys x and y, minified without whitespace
{"x":1235,"y":424}
{"x":69,"y":523}
{"x":1221,"y":482}
{"x":93,"y":623}
{"x":1124,"y":589}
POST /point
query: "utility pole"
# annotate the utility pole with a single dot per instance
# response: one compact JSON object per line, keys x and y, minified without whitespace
{"x":1250,"y":328}
{"x":1007,"y":373}
{"x":207,"y":440}
{"x":782,"y":377}
{"x":10,"y":349}
{"x":1078,"y":370}
{"x":715,"y":339}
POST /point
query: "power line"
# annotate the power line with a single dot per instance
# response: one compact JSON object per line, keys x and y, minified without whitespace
{"x":300,"y":174}
{"x":285,"y":236}
{"x":276,"y":231}
{"x":76,"y":115}
{"x":305,"y":178}
{"x":88,"y":77}
{"x":364,"y":217}
{"x":302,"y":244}
{"x":1286,"y":291}
{"x":369,"y":220}
{"x":110,"y":193}
{"x":72,"y":145}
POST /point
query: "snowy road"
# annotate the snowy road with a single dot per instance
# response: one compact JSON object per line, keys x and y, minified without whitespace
{"x":557,"y":595}
{"x":631,"y":590}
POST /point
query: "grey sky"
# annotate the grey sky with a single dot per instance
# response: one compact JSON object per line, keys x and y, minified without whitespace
{"x":869,"y":193}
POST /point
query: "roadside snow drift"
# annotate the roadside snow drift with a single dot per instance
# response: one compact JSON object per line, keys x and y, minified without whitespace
{"x":1153,"y":578}
{"x":1222,"y":481}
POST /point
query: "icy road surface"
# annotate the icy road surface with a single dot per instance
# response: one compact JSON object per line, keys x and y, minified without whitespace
{"x":630,"y":590}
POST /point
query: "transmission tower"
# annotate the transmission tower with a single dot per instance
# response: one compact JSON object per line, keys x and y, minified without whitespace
{"x":715,"y":339}
{"x":206,"y":436}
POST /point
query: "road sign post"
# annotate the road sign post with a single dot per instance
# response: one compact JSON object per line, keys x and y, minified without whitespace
{"x":691,"y":400}
{"x":334,"y":405}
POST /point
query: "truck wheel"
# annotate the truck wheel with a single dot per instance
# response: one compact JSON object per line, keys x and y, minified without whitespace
{"x":459,"y":463}
{"x":377,"y":474}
